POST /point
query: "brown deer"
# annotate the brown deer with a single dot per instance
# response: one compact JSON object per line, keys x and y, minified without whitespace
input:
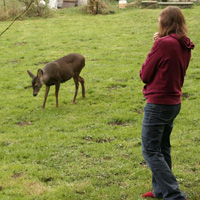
{"x":57,"y":72}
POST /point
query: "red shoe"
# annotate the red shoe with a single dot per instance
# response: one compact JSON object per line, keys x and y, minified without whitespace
{"x":148,"y":194}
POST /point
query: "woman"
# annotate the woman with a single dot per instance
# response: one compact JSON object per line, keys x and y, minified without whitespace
{"x":163,"y":73}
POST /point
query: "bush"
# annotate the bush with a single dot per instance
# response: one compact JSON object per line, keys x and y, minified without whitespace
{"x":34,"y":12}
{"x":10,"y":10}
{"x":100,"y":7}
{"x":14,"y":8}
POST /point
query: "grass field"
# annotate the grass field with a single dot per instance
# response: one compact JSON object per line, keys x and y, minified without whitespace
{"x":90,"y":150}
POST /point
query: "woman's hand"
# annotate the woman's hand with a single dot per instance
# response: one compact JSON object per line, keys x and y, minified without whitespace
{"x":155,"y":36}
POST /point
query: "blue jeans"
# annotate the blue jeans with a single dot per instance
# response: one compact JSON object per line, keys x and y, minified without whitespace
{"x":156,"y":129}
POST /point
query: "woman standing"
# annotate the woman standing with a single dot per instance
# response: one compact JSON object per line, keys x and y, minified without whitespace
{"x":163,"y":73}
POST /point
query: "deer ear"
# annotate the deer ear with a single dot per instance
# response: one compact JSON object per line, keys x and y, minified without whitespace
{"x":31,"y":74}
{"x":40,"y":73}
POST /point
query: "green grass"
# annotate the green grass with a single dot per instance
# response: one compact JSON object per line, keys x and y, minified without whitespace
{"x":91,"y":150}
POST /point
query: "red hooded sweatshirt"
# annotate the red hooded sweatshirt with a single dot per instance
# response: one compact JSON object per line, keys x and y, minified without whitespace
{"x":164,"y":69}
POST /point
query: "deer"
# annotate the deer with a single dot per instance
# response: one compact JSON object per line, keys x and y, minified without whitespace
{"x":57,"y":72}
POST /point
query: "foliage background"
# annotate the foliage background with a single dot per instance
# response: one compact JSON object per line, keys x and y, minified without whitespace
{"x":91,"y":150}
{"x":10,"y":9}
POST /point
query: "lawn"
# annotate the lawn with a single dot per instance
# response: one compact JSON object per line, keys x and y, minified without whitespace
{"x":90,"y":150}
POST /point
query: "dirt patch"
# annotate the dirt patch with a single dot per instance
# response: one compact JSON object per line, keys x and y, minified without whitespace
{"x":127,"y":156}
{"x":24,"y":123}
{"x":107,"y":158}
{"x":104,"y":140}
{"x":47,"y":179}
{"x":185,"y":95}
{"x":20,"y":43}
{"x":35,"y":188}
{"x":98,"y":140}
{"x":17,"y":175}
{"x":114,"y":87}
{"x":88,"y":138}
{"x":80,"y":192}
{"x":143,"y":164}
{"x":41,"y":63}
{"x":14,"y":61}
{"x":117,"y":123}
{"x":139,"y":110}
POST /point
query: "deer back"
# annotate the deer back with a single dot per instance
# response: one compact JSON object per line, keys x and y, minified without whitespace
{"x":69,"y":66}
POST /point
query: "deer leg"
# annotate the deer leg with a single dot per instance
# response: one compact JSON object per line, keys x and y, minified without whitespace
{"x":82,"y":81}
{"x":45,"y":96}
{"x":76,"y":86}
{"x":57,"y":86}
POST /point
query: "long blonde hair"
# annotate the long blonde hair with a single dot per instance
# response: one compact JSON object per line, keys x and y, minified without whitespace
{"x":172,"y":21}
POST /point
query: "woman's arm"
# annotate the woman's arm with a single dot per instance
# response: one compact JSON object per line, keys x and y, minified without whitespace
{"x":149,"y":67}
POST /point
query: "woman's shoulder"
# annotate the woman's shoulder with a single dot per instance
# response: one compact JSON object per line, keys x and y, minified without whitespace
{"x":167,"y":41}
{"x":169,"y":38}
{"x":174,"y":39}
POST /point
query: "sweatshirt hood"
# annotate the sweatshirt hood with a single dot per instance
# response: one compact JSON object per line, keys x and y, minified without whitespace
{"x":184,"y":41}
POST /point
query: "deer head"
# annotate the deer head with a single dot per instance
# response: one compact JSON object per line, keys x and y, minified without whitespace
{"x":36,"y":81}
